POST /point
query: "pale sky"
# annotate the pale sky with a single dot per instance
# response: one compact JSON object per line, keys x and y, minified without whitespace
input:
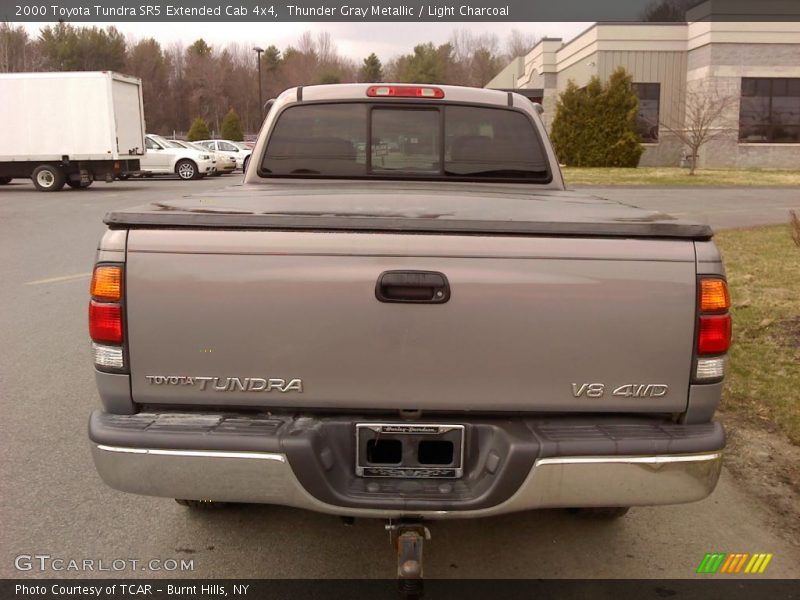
{"x":354,"y":40}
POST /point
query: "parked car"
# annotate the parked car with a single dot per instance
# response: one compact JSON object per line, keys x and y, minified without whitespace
{"x":238,"y":152}
{"x":214,"y":172}
{"x":224,"y":164}
{"x":187,"y":163}
{"x":435,"y":328}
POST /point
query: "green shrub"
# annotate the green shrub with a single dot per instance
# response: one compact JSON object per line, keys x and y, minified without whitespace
{"x":595,"y":126}
{"x":566,"y":132}
{"x":198,"y":130}
{"x":329,"y":77}
{"x":232,"y":127}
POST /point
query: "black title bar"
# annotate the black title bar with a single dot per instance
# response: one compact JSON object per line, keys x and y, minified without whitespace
{"x":383,"y":589}
{"x":111,"y":11}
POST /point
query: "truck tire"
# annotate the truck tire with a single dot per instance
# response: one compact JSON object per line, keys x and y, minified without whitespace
{"x":201,"y":504}
{"x":5,"y":180}
{"x":77,"y":185}
{"x":47,"y":178}
{"x":244,"y":164}
{"x":601,"y":513}
{"x":187,"y":169}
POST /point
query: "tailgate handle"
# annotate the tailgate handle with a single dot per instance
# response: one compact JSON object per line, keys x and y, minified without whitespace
{"x":419,"y":287}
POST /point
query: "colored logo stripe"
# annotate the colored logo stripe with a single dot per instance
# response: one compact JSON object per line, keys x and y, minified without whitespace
{"x":734,"y":563}
{"x":758,"y":563}
{"x":711,"y":563}
{"x":720,"y":562}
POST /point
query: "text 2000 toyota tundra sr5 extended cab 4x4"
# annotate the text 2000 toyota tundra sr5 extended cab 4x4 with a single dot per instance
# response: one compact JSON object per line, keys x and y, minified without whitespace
{"x":403,"y":314}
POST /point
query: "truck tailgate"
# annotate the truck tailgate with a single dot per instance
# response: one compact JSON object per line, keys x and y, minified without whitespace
{"x":234,"y":317}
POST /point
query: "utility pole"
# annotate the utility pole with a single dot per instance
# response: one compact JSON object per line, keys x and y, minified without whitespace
{"x":258,"y":52}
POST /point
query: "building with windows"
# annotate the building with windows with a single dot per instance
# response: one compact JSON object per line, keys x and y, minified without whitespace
{"x":750,"y":68}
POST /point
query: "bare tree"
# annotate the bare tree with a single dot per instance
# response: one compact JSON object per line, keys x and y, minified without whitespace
{"x":476,"y":57}
{"x":707,"y":117}
{"x":519,"y":43}
{"x":145,"y":59}
{"x":794,"y":223}
{"x":182,"y":83}
{"x":16,"y":50}
{"x":306,"y":43}
{"x":664,"y":11}
{"x":326,"y":48}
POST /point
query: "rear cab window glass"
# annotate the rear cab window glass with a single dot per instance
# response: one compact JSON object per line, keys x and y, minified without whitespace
{"x":492,"y":143}
{"x":321,"y":139}
{"x":403,"y":141}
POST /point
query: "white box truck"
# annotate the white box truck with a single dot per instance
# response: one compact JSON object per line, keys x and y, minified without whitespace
{"x":69,"y":128}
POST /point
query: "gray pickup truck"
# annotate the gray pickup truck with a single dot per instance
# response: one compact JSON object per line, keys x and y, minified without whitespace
{"x":403,"y":314}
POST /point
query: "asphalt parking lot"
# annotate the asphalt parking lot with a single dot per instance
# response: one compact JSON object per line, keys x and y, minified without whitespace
{"x":54,"y":503}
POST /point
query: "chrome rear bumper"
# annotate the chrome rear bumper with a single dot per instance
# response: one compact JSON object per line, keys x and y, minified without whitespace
{"x":267,"y":477}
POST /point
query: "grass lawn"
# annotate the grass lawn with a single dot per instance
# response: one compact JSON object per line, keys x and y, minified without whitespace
{"x":763,"y":380}
{"x":678,"y":176}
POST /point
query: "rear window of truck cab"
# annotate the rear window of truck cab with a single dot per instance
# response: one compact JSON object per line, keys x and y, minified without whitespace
{"x":398,"y":141}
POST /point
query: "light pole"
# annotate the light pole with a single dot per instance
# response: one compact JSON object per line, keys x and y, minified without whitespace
{"x":258,"y":52}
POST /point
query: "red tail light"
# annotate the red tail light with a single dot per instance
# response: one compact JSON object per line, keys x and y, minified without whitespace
{"x":105,"y":322}
{"x":404,"y":91}
{"x":714,"y":335}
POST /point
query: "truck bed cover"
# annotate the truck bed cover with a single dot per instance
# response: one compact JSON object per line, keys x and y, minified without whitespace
{"x":409,"y":207}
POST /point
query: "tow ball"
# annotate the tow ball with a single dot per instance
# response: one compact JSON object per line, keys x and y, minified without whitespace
{"x":408,"y":536}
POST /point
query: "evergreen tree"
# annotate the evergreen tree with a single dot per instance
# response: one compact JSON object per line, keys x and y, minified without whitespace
{"x":596,"y":126}
{"x":329,"y":77}
{"x":271,"y":59}
{"x":428,"y":64}
{"x":64,"y":47}
{"x":199,"y":48}
{"x":198,"y":130}
{"x":619,"y":109}
{"x":566,"y":133}
{"x":232,"y":127}
{"x":371,"y":71}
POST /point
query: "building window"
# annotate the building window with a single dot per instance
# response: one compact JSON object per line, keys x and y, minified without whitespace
{"x":770,"y":110}
{"x":647,"y":118}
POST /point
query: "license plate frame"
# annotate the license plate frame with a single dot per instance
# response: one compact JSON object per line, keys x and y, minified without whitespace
{"x":410,"y":434}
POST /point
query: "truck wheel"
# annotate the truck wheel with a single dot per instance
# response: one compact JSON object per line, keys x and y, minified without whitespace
{"x":201,"y":504}
{"x":601,"y":513}
{"x":187,"y":170}
{"x":77,"y":185}
{"x":47,"y":178}
{"x":5,"y":180}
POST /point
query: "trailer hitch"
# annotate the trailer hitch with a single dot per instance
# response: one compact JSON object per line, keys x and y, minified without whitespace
{"x":407,"y":536}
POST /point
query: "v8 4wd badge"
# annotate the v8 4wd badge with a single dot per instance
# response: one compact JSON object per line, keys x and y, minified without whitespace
{"x":628,"y":390}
